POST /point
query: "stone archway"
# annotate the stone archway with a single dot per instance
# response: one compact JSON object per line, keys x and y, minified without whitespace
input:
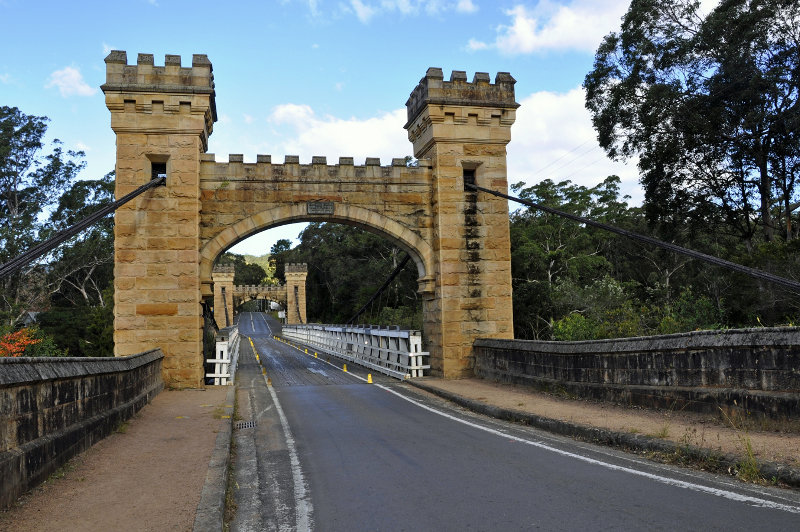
{"x":419,"y":250}
{"x":166,"y":240}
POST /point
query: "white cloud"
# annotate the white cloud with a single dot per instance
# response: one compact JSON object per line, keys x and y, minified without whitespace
{"x":5,"y":79}
{"x":107,"y":49}
{"x":248,"y":119}
{"x":380,"y":136}
{"x":466,"y":6}
{"x":365,"y":10}
{"x":82,"y":147}
{"x":553,"y":139}
{"x":579,"y":25}
{"x":70,"y":83}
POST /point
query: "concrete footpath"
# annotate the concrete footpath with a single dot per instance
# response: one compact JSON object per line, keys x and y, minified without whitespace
{"x":151,"y":474}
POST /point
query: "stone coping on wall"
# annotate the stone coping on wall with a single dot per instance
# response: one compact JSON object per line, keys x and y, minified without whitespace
{"x":759,"y":337}
{"x":26,"y":370}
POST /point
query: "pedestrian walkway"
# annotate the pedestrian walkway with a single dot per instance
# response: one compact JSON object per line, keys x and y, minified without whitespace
{"x":148,"y":475}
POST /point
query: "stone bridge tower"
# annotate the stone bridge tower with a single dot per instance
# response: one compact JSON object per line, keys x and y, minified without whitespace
{"x":463,"y":128}
{"x":223,"y":295}
{"x":162,"y":116}
{"x":295,"y":275}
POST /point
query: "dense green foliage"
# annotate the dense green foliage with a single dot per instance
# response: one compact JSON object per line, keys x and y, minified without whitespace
{"x":711,"y":107}
{"x":248,"y":271}
{"x":346,"y":265}
{"x":72,"y":287}
{"x":575,"y":283}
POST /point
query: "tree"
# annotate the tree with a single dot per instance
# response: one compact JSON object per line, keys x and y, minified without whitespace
{"x":244,"y":273}
{"x":278,"y":253}
{"x":710,"y":105}
{"x":83,"y":267}
{"x":552,"y":258}
{"x":30,"y":183}
{"x":346,"y":265}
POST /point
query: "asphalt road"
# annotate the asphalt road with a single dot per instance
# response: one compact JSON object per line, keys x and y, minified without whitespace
{"x":330,"y":452}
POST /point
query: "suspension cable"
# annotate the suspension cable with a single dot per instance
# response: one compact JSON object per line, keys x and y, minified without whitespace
{"x":383,"y":287}
{"x":794,"y":286}
{"x":50,"y":244}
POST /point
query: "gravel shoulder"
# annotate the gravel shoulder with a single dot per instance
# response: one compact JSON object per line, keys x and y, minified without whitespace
{"x":148,"y":475}
{"x":770,"y":443}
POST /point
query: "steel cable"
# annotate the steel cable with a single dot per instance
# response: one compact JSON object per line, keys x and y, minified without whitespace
{"x":794,"y":286}
{"x":50,"y":244}
{"x":383,"y":287}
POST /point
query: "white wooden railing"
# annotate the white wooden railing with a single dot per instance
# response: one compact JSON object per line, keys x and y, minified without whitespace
{"x":388,"y":350}
{"x":227,"y":354}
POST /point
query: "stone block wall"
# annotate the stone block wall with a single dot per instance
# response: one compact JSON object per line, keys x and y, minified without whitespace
{"x":463,"y":128}
{"x":54,"y":408}
{"x":753,"y":370}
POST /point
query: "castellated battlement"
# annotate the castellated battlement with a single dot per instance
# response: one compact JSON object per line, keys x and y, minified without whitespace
{"x":480,"y":92}
{"x":171,"y":77}
{"x":319,"y":169}
{"x":170,"y":89}
{"x":224,"y":268}
{"x":292,"y":267}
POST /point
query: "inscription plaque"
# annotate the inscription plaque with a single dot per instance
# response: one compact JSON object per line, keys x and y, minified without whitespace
{"x":320,"y":207}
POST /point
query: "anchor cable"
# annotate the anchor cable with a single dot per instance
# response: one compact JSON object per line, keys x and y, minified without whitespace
{"x":383,"y":287}
{"x":53,"y":242}
{"x":791,"y":285}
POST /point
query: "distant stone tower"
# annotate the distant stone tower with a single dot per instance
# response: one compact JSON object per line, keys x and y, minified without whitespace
{"x":295,"y":275}
{"x":463,"y":129}
{"x":223,"y":294}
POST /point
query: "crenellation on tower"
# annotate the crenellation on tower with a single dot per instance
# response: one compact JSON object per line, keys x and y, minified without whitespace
{"x":171,"y":77}
{"x":176,"y":89}
{"x":292,"y":267}
{"x":433,"y":90}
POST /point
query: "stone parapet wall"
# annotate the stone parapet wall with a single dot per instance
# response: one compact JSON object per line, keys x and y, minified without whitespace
{"x":54,"y":408}
{"x":759,"y":369}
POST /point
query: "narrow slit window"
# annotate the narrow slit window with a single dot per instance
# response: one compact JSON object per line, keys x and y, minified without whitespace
{"x":469,"y":178}
{"x":159,"y":170}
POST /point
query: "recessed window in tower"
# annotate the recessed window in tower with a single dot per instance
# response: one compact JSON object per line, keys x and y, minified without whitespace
{"x":158,"y":170}
{"x":469,"y":179}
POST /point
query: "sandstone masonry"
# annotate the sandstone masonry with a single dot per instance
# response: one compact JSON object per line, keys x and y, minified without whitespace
{"x":166,"y":242}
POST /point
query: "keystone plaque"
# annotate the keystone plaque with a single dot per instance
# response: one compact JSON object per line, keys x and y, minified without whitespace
{"x":320,"y":207}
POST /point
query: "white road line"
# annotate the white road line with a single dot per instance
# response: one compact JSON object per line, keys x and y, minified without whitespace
{"x":665,"y":480}
{"x":302,"y":501}
{"x":755,"y":501}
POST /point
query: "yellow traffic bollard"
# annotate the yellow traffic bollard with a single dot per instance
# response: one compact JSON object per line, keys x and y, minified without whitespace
{"x":345,"y":368}
{"x":306,"y":351}
{"x":315,"y":354}
{"x":369,"y":378}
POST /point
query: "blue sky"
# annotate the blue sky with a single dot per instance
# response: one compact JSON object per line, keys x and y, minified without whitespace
{"x":319,"y":77}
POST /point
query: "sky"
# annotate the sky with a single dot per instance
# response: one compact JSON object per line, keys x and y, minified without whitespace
{"x":320,"y":77}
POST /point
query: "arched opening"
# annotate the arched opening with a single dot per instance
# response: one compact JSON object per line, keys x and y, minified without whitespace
{"x":407,"y":240}
{"x":347,"y":261}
